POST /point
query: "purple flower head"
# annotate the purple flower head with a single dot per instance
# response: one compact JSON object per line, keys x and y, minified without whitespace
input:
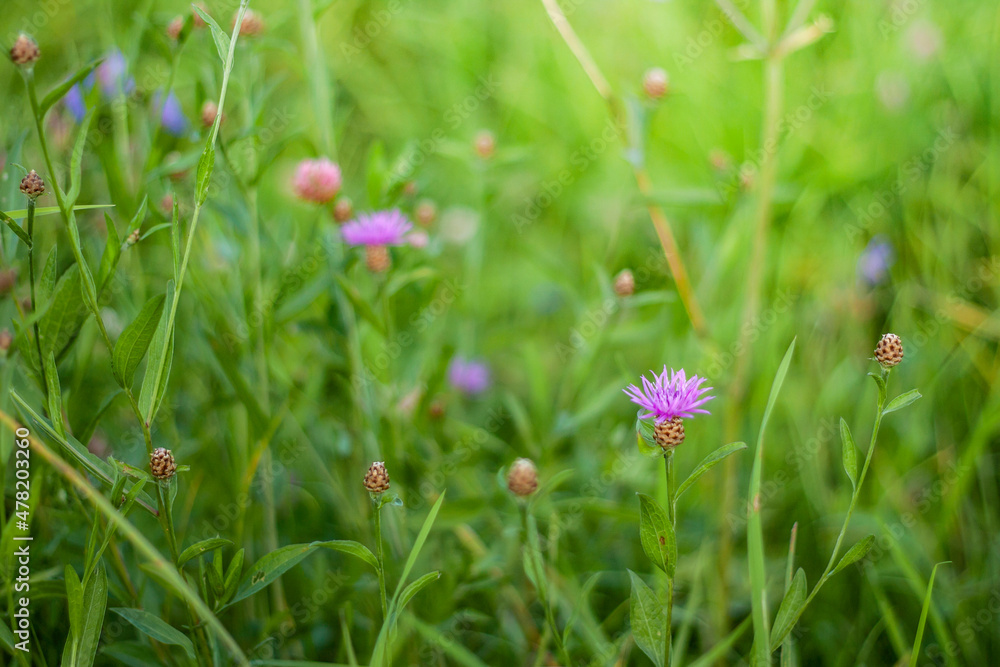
{"x":380,"y":228}
{"x":75,"y":104}
{"x":112,"y":75}
{"x":875,"y":261}
{"x":172,"y":115}
{"x":469,"y":376}
{"x":670,"y":394}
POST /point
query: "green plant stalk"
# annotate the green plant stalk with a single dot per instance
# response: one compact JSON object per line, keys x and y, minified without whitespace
{"x":195,"y":215}
{"x":165,"y":569}
{"x":854,"y":500}
{"x":34,"y":301}
{"x":668,"y":459}
{"x":773,"y":86}
{"x":380,"y":556}
{"x":543,"y":585}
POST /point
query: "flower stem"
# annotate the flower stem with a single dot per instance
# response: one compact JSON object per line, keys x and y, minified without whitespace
{"x":668,"y":459}
{"x":543,"y":585}
{"x":380,"y":556}
{"x":34,"y":303}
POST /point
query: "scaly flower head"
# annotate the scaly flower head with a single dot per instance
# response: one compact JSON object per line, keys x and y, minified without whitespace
{"x":670,"y":395}
{"x":316,"y":180}
{"x":381,"y":228}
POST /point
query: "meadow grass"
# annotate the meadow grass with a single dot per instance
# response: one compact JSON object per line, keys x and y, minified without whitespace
{"x":335,"y":376}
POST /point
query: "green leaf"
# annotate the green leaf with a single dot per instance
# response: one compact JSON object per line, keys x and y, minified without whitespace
{"x":161,"y":354}
{"x":156,"y":628}
{"x":915,"y":653}
{"x":270,"y":567}
{"x":55,"y":394}
{"x":644,"y":439}
{"x":718,"y":653}
{"x":87,"y":432}
{"x":790,"y":609}
{"x":880,"y":382}
{"x":710,"y":462}
{"x":218,"y":34}
{"x":353,"y":548}
{"x":76,"y":159}
{"x":135,"y":339}
{"x":16,"y":228}
{"x":657,"y":535}
{"x":855,"y":553}
{"x":22,"y":213}
{"x":47,"y":280}
{"x":88,"y":603}
{"x":66,"y":313}
{"x":648,"y":620}
{"x":755,"y":526}
{"x":199,"y":548}
{"x":850,"y":453}
{"x":60,"y":91}
{"x":206,"y":164}
{"x":233,"y":574}
{"x":415,"y":588}
{"x":418,"y":544}
{"x":901,"y":401}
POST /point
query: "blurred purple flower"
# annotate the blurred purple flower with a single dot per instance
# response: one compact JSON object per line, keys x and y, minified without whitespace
{"x":875,"y":261}
{"x":171,"y":114}
{"x":469,"y":376}
{"x":380,"y":228}
{"x":112,"y":75}
{"x":75,"y":104}
{"x":670,"y":394}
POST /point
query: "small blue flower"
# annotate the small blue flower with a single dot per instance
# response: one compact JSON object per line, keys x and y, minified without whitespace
{"x":875,"y":262}
{"x":172,"y":117}
{"x":75,"y":104}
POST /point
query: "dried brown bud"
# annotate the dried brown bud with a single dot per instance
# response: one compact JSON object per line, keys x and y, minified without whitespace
{"x":485,"y":144}
{"x":670,"y":433}
{"x":889,"y":350}
{"x":522,"y":479}
{"x":161,"y":463}
{"x":133,"y":238}
{"x":377,"y":478}
{"x":8,"y":278}
{"x":252,"y":24}
{"x":209,"y":110}
{"x":624,"y":283}
{"x":343,"y":209}
{"x":6,"y":338}
{"x":174,"y":28}
{"x":32,"y":185}
{"x":655,"y":82}
{"x":425,"y":212}
{"x":24,"y":51}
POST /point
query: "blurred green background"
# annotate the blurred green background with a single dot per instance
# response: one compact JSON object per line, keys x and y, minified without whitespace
{"x":888,"y":131}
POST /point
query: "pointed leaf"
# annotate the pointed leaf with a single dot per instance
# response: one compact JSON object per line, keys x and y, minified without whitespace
{"x":415,"y":588}
{"x":855,"y":553}
{"x":156,"y":628}
{"x":648,"y":620}
{"x":135,"y":339}
{"x":16,"y":228}
{"x":710,"y":462}
{"x":901,"y":401}
{"x":790,"y":609}
{"x":850,"y":452}
{"x":270,"y":567}
{"x":915,"y":653}
{"x":60,"y":91}
{"x":657,"y":535}
{"x":353,"y":548}
{"x":200,"y":548}
{"x":218,"y":34}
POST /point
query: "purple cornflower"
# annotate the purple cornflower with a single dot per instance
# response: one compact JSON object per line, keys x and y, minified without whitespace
{"x":112,"y":75}
{"x":75,"y":104}
{"x":470,"y":376}
{"x":172,"y":116}
{"x":380,"y":228}
{"x":670,"y":395}
{"x":875,"y":261}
